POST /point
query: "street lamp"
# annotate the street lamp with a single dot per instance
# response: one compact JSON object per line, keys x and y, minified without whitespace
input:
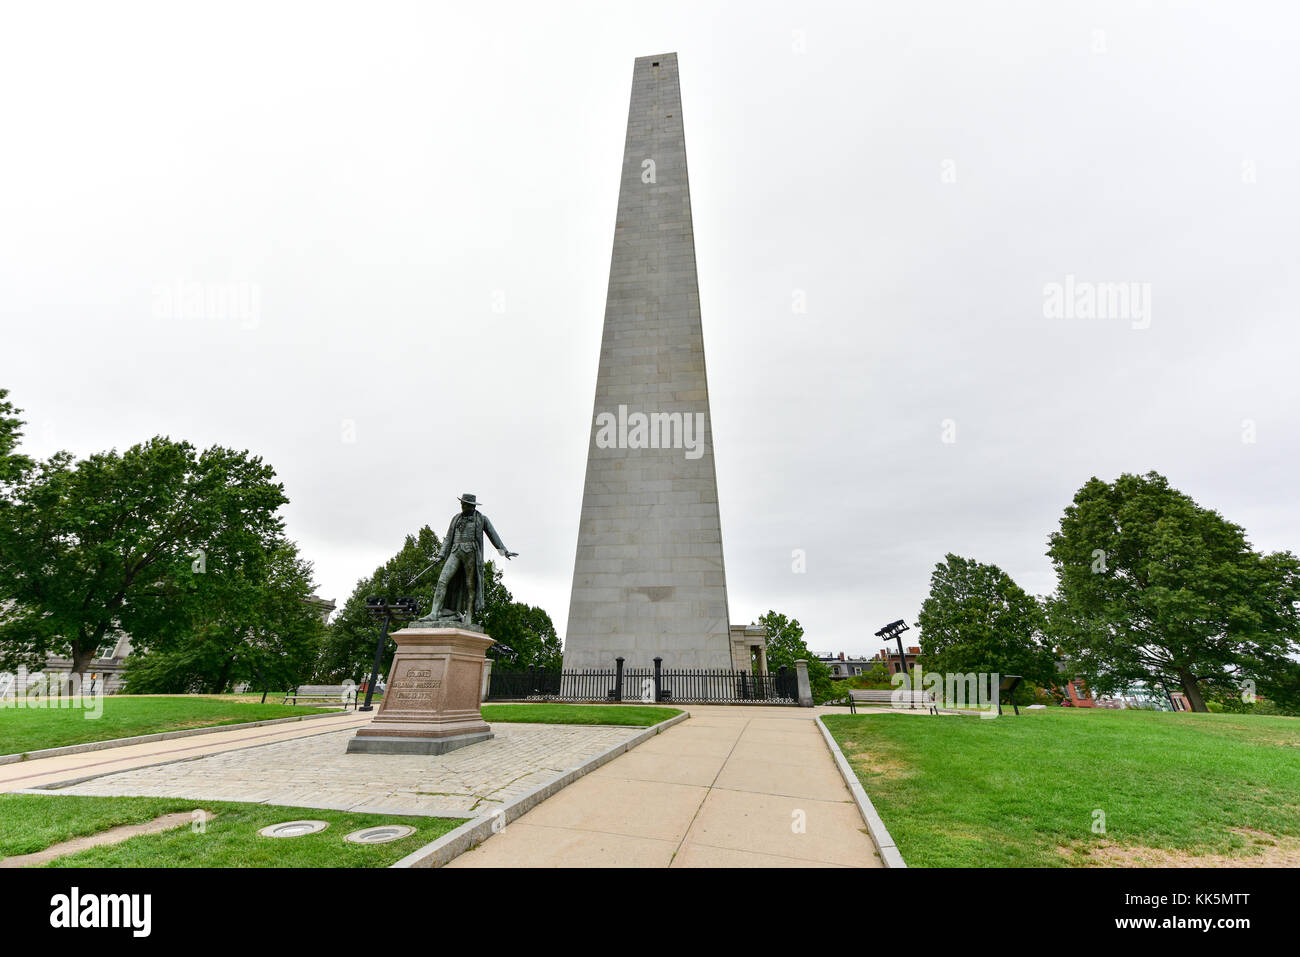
{"x":895,"y":630}
{"x":402,"y":610}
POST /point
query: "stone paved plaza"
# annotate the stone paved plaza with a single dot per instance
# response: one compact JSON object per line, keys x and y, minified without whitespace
{"x":316,"y":771}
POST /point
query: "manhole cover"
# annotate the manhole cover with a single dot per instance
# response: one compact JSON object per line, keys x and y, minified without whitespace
{"x":294,"y":828}
{"x":379,"y":835}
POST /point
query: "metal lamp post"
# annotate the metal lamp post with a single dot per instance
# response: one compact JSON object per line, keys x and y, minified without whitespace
{"x":895,"y":630}
{"x":402,"y":610}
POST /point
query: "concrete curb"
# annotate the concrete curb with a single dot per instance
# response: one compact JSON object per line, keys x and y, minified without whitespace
{"x":889,"y":854}
{"x":147,"y":738}
{"x":477,"y":830}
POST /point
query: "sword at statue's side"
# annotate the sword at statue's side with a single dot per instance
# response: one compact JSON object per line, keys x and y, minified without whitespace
{"x":421,"y":575}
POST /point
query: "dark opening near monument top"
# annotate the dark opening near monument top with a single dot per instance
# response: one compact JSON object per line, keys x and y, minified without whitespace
{"x":648,"y":576}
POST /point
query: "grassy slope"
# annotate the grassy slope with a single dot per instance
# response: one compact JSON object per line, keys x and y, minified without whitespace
{"x":30,"y":822}
{"x":31,"y":729}
{"x":965,"y":791}
{"x":618,"y":714}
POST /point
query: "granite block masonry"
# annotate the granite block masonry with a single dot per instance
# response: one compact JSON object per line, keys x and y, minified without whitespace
{"x":431,"y":704}
{"x":648,"y":578}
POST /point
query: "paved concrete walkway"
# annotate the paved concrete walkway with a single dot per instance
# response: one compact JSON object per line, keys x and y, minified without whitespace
{"x":730,"y":787}
{"x":30,"y":774}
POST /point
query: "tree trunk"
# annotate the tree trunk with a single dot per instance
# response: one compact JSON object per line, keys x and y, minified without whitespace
{"x":81,"y":658}
{"x":83,"y":651}
{"x":224,"y":677}
{"x":1192,"y":689}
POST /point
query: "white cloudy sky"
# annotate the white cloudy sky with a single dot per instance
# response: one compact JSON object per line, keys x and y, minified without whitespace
{"x":377,"y":172}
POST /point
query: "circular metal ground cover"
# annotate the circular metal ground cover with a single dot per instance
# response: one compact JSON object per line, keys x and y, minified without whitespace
{"x":379,"y":835}
{"x":294,"y":828}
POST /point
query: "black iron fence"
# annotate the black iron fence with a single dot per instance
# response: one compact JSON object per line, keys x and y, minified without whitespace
{"x":648,"y":685}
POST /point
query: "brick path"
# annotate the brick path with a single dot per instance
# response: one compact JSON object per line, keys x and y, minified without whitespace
{"x":42,"y":771}
{"x":316,"y":771}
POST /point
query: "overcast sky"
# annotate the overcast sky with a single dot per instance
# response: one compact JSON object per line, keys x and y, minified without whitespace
{"x":412,"y":205}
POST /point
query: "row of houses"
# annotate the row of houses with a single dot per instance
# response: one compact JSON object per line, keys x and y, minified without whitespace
{"x":849,"y":667}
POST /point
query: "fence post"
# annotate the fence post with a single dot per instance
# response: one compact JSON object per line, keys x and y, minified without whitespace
{"x":658,"y":682}
{"x":805,"y":687}
{"x":618,"y":679}
{"x":487,"y":679}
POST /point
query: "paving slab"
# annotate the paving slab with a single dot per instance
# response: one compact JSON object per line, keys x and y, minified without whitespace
{"x":697,"y":770}
{"x":690,"y":744}
{"x":799,"y":755}
{"x":814,"y":831}
{"x":702,"y":855}
{"x":652,"y":809}
{"x":761,"y":776}
{"x":531,"y":845}
{"x":780,"y":738}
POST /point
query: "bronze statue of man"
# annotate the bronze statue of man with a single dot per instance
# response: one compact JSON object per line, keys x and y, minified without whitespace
{"x":460,"y":585}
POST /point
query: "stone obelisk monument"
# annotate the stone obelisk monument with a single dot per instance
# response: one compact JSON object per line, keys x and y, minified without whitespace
{"x":648,"y":579}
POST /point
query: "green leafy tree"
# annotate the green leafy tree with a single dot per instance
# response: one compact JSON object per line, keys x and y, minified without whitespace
{"x":874,"y":678}
{"x":528,"y":631}
{"x":785,"y":645}
{"x":132,"y":542}
{"x":253,"y":624}
{"x":12,"y":467}
{"x":12,"y":464}
{"x":349,"y":646}
{"x":877,"y":676}
{"x":976,"y":619}
{"x":1153,"y":587}
{"x":1281,"y":686}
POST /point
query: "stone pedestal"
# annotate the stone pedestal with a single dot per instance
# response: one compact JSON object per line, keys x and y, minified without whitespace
{"x":431,"y":704}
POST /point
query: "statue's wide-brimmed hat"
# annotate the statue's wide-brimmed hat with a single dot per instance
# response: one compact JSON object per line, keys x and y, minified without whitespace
{"x":469,"y":499}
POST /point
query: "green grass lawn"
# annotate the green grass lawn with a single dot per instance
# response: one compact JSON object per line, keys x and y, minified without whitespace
{"x":32,"y":729}
{"x":32,"y":822}
{"x":1022,"y":791}
{"x":620,"y":714}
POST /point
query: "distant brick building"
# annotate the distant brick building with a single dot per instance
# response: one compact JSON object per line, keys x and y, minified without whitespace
{"x":890,"y":658}
{"x":1075,"y":694}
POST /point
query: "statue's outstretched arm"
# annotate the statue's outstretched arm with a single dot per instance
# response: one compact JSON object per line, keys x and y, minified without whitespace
{"x":496,"y":539}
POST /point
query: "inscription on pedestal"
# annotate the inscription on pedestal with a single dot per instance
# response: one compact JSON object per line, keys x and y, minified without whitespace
{"x":415,"y":687}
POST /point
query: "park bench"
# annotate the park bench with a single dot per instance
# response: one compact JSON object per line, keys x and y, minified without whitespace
{"x":323,"y":693}
{"x":886,"y":698}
